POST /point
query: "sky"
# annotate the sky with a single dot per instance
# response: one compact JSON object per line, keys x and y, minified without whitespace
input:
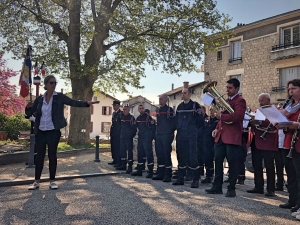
{"x":156,"y":83}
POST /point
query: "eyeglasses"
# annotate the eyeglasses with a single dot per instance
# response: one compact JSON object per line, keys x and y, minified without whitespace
{"x":53,"y":82}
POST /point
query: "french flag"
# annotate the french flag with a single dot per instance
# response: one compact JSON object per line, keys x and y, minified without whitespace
{"x":43,"y":69}
{"x":36,"y":68}
{"x":25,"y":78}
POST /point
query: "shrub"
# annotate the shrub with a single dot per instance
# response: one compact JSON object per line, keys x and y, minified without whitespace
{"x":14,"y":124}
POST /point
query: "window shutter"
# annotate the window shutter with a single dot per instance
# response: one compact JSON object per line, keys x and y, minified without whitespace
{"x":102,"y":127}
{"x":91,"y":128}
{"x":102,"y":110}
{"x":110,"y":109}
{"x":92,"y":109}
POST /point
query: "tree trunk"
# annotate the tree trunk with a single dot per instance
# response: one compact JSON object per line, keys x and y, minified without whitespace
{"x":80,"y":120}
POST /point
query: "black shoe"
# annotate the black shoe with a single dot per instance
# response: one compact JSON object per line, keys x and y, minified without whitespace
{"x":195,"y":184}
{"x":174,"y":176}
{"x":167,"y":179}
{"x":137,"y":173}
{"x":286,"y":206}
{"x":230,"y":193}
{"x":241,"y":182}
{"x":279,"y":188}
{"x":213,"y":191}
{"x":112,"y":163}
{"x":158,"y":177}
{"x":226,"y":180}
{"x":129,"y":170}
{"x":150,"y":174}
{"x":178,"y":182}
{"x":295,"y":209}
{"x":121,"y":168}
{"x":118,"y":165}
{"x":269,"y":194}
{"x":207,"y":180}
{"x":255,"y":190}
{"x":175,"y":172}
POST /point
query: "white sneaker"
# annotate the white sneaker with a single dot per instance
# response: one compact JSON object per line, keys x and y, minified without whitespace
{"x":294,"y":214}
{"x":53,"y":186}
{"x":34,"y":186}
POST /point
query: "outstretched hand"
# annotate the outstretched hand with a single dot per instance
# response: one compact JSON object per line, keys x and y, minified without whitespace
{"x":93,"y":102}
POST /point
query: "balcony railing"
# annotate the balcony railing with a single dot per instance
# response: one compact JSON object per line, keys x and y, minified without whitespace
{"x":278,"y":89}
{"x":286,"y":45}
{"x":235,"y":60}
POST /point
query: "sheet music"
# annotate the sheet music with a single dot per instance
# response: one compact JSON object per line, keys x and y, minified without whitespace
{"x":259,"y":115}
{"x":274,"y":115}
{"x":207,"y":99}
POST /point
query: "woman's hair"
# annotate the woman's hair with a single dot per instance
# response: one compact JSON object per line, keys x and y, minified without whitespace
{"x":295,"y":82}
{"x":46,"y":80}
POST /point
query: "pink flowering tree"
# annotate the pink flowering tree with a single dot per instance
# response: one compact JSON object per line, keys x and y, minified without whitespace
{"x":10,"y":102}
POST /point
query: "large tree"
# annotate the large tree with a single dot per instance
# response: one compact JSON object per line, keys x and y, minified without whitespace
{"x":107,"y":43}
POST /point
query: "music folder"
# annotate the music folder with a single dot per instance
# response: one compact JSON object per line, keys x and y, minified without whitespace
{"x":274,"y":115}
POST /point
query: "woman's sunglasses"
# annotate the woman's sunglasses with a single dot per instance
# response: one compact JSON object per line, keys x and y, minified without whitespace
{"x":53,"y":82}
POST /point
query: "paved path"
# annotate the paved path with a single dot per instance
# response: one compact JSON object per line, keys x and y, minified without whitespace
{"x":123,"y":199}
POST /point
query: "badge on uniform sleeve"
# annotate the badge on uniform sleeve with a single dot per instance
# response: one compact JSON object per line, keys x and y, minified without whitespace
{"x":152,"y":122}
{"x":199,"y":111}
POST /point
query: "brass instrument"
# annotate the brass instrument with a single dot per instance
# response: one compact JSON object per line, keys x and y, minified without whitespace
{"x":294,"y":138}
{"x":221,"y":103}
{"x":267,"y":130}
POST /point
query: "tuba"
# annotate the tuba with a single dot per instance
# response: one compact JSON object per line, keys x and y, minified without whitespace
{"x":219,"y":103}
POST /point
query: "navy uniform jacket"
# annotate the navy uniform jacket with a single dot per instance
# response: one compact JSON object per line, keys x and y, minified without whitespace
{"x":146,"y":126}
{"x":128,"y":126}
{"x":201,"y":129}
{"x":165,"y":120}
{"x":115,"y":128}
{"x":210,"y":125}
{"x":188,"y":120}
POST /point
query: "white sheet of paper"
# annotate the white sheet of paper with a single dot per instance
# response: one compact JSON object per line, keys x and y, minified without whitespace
{"x":245,"y":123}
{"x":246,"y":117}
{"x":207,"y":99}
{"x":274,"y":115}
{"x":259,"y":115}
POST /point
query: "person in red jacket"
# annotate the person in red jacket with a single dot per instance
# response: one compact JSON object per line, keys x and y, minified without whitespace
{"x":292,"y":112}
{"x":228,"y":139}
{"x":263,"y":148}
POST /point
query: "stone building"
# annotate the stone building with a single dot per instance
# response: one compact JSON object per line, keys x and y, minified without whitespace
{"x":263,"y":55}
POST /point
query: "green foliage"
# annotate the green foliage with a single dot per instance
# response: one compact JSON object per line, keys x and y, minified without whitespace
{"x":14,"y":124}
{"x":64,"y":146}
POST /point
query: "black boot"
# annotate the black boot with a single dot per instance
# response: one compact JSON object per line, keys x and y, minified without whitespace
{"x":150,"y":171}
{"x":180,"y":179}
{"x":129,"y":169}
{"x":207,"y":180}
{"x":160,"y":174}
{"x":196,"y":178}
{"x":168,"y":175}
{"x":138,"y":172}
{"x":123,"y":165}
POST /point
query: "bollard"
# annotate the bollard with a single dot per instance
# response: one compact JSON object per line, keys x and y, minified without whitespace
{"x":31,"y":152}
{"x":97,"y":149}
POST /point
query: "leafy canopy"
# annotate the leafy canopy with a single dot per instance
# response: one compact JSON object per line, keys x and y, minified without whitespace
{"x":117,"y":38}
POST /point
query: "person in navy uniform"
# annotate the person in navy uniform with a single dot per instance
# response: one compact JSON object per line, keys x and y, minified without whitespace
{"x":263,"y":149}
{"x":228,"y":140}
{"x":115,"y":130}
{"x":128,"y":131}
{"x":163,"y":140}
{"x":146,"y":127}
{"x":188,"y":120}
{"x":210,"y":124}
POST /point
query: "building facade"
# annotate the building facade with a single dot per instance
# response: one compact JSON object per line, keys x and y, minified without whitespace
{"x":263,"y":55}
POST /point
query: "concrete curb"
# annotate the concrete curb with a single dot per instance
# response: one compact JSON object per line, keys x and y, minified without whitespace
{"x":19,"y":157}
{"x":7,"y":183}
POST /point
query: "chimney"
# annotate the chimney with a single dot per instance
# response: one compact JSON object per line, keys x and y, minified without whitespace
{"x":62,"y":90}
{"x":172,"y":87}
{"x":185,"y":84}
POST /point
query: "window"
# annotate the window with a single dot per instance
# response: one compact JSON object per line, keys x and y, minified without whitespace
{"x":235,"y":51}
{"x":288,"y":74}
{"x":219,"y":55}
{"x":174,"y":108}
{"x":91,"y":127}
{"x":174,"y":96}
{"x":92,"y":109}
{"x":239,"y":77}
{"x":106,"y":110}
{"x":105,"y":127}
{"x":290,"y":36}
{"x":95,"y":98}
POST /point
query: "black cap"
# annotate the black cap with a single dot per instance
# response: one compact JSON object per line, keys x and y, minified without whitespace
{"x":116,"y":102}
